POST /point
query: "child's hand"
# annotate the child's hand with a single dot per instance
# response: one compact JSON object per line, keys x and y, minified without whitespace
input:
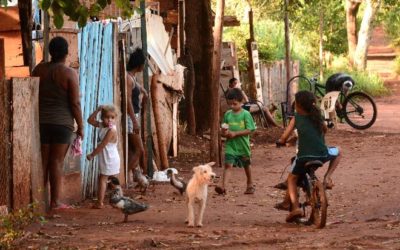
{"x":230,"y":134}
{"x":89,"y":157}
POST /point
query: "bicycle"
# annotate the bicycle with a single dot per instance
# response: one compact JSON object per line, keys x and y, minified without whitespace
{"x":314,"y":201}
{"x":357,"y":108}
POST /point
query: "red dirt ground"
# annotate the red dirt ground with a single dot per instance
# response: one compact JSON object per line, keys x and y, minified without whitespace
{"x":363,"y":210}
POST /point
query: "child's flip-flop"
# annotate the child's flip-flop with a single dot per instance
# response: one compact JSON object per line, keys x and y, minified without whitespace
{"x":63,"y":207}
{"x":250,"y":190}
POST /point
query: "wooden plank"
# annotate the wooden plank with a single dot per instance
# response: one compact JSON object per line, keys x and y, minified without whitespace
{"x":118,"y":101}
{"x":37,"y":181}
{"x":2,"y":60}
{"x":175,"y":129}
{"x":124,"y":107}
{"x":9,"y":19}
{"x":5,"y":144}
{"x":71,"y":35}
{"x":158,"y":97}
{"x":25,"y":125}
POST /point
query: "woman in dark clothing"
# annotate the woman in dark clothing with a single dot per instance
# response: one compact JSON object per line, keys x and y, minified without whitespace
{"x":134,"y":89}
{"x":59,"y":106}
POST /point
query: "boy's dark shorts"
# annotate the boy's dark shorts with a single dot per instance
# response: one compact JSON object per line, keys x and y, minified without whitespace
{"x":238,"y":161}
{"x":298,"y":164}
{"x":55,"y":134}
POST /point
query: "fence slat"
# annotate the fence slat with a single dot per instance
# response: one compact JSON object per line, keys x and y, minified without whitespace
{"x":274,"y":81}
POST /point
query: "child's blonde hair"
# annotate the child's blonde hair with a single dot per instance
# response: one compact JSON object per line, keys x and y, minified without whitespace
{"x":109,"y":108}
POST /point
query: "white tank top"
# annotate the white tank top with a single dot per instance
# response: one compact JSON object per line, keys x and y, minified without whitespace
{"x":109,"y":161}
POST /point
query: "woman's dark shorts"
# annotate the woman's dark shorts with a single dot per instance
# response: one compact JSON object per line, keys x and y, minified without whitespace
{"x":55,"y":134}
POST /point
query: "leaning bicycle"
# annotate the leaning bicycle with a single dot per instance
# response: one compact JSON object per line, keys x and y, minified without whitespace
{"x":357,"y":108}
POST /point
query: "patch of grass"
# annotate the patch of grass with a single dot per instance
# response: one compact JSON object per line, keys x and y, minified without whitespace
{"x":13,"y":224}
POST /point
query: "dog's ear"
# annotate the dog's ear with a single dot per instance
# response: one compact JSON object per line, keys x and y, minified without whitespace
{"x":195,"y":169}
{"x":211,"y":163}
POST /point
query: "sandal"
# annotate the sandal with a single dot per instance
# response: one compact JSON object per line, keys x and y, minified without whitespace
{"x":292,"y":216}
{"x":220,"y":190}
{"x":97,"y":206}
{"x":62,"y":207}
{"x":329,"y":185}
{"x":250,"y":190}
{"x":282,"y":185}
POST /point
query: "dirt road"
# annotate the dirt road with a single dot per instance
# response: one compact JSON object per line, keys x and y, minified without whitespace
{"x":363,"y":212}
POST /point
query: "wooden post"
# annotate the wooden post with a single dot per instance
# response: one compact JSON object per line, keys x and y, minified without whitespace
{"x":216,"y":71}
{"x":250,"y":68}
{"x":321,"y":41}
{"x":181,"y":28}
{"x":124,"y":108}
{"x":147,"y":87}
{"x":46,"y":35}
{"x":2,"y":61}
{"x":26,"y":163}
{"x":287,"y":54}
{"x":5,"y":126}
{"x":25,"y":16}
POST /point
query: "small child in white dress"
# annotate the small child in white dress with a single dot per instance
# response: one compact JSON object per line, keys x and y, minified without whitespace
{"x":107,"y":148}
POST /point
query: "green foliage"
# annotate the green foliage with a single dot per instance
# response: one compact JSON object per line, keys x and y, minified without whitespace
{"x":397,"y":65}
{"x":80,"y":13}
{"x":13,"y":224}
{"x":390,"y":16}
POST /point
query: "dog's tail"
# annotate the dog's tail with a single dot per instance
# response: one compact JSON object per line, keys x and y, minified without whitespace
{"x":175,"y":182}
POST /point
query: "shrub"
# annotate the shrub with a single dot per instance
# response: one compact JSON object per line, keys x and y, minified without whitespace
{"x":13,"y":224}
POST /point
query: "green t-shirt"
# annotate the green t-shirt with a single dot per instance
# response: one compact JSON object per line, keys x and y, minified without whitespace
{"x":239,"y":146}
{"x":311,"y":141}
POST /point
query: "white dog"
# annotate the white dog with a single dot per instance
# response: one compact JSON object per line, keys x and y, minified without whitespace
{"x":196,"y":192}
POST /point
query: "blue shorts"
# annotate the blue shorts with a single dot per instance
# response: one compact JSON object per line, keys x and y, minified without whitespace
{"x":298,"y":164}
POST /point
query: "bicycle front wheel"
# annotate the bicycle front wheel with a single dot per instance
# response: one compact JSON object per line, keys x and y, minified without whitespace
{"x":319,"y":205}
{"x":359,"y":110}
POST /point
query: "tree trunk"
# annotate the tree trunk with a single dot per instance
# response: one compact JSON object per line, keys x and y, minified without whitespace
{"x":190,"y":83}
{"x":250,"y":68}
{"x":199,"y":40}
{"x":287,"y":55}
{"x":321,"y":40}
{"x":25,"y":17}
{"x":364,"y":35}
{"x":351,"y":26}
{"x":216,"y":72}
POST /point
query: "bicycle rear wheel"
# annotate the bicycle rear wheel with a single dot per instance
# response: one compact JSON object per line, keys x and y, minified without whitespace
{"x":359,"y":110}
{"x":319,"y":205}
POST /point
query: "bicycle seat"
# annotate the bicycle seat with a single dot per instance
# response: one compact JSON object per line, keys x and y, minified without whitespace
{"x":313,"y":164}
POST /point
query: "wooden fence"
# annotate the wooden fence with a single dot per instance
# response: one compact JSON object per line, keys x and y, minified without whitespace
{"x":274,"y":83}
{"x":21,"y":173}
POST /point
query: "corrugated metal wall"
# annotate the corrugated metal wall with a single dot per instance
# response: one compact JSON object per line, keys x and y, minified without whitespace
{"x":96,"y":86}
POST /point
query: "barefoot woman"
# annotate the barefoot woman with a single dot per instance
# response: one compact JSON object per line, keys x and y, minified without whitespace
{"x":59,"y":106}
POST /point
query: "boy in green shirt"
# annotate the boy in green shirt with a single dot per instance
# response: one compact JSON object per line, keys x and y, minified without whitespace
{"x":238,"y":125}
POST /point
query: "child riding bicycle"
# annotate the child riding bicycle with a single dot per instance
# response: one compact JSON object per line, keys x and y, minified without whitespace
{"x":311,"y":146}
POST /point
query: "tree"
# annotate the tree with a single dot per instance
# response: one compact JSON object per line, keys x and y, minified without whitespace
{"x":364,"y":35}
{"x":199,"y":41}
{"x":79,"y":12}
{"x":352,"y":7}
{"x":216,"y":72}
